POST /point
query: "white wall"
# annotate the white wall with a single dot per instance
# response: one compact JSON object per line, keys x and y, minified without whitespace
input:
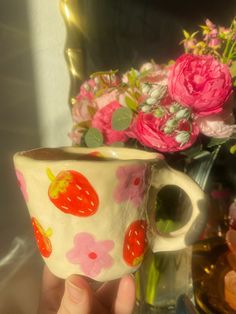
{"x":48,"y":35}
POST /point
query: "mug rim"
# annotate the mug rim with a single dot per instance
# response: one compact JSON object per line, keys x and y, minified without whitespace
{"x":99,"y":153}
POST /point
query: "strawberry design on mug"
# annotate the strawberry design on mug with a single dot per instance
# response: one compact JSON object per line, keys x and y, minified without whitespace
{"x":135,"y":242}
{"x":42,"y":237}
{"x":72,"y":193}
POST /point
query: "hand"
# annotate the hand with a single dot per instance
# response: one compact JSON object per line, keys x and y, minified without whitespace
{"x":76,"y":296}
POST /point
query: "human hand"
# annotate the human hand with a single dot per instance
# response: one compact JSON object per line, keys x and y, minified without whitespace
{"x":76,"y":296}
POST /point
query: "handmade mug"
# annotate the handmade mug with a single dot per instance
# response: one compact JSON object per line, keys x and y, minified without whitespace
{"x":89,"y":207}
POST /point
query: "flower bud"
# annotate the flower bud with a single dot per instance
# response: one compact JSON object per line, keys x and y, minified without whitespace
{"x":168,"y":130}
{"x":172,"y":123}
{"x":145,"y":88}
{"x":145,"y":108}
{"x":159,"y":112}
{"x":151,"y":101}
{"x":175,"y":108}
{"x":182,"y":137}
{"x":154,"y":92}
{"x":182,"y":114}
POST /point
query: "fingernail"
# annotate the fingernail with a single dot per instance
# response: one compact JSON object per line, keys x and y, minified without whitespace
{"x":76,"y":294}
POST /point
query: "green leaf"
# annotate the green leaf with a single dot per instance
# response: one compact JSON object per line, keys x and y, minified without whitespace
{"x":192,"y":151}
{"x":186,"y":34}
{"x":132,"y":77}
{"x":93,"y":138}
{"x":121,"y":119}
{"x":216,"y":141}
{"x":201,"y":154}
{"x":233,"y":149}
{"x":167,"y":225}
{"x":194,"y":34}
{"x":233,"y":69}
{"x":131,"y":103}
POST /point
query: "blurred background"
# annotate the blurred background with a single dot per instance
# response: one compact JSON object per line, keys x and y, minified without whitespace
{"x":34,"y":95}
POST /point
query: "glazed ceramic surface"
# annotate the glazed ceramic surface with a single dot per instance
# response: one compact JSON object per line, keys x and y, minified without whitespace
{"x":89,"y":212}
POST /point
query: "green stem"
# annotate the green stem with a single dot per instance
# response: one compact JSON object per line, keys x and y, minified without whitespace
{"x":50,"y":175}
{"x":226,"y":49}
{"x":231,"y":51}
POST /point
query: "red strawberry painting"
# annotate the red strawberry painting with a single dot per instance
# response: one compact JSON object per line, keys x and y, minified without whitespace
{"x":135,"y":242}
{"x":72,"y":193}
{"x":42,"y":237}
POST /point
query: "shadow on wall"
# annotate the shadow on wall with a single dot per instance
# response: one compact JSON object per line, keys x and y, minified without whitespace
{"x":18,"y":114}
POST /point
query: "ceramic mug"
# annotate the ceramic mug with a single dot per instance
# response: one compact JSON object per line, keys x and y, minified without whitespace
{"x":89,"y":207}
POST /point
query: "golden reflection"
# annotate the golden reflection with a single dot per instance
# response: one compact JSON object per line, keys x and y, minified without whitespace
{"x":66,"y":10}
{"x":74,"y":45}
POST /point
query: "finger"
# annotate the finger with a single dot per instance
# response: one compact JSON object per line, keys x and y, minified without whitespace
{"x":77,"y":298}
{"x":125,"y":300}
{"x":51,"y":292}
{"x":106,"y":294}
{"x":50,"y":282}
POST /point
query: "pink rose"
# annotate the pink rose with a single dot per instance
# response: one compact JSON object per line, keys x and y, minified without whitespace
{"x":154,"y":73}
{"x":102,"y":121}
{"x":75,"y":135}
{"x":219,"y":125}
{"x":87,"y":90}
{"x":82,"y":110}
{"x":153,"y":132}
{"x":200,"y":82}
{"x":106,"y":98}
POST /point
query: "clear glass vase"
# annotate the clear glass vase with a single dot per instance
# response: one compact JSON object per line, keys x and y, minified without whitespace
{"x":164,"y":277}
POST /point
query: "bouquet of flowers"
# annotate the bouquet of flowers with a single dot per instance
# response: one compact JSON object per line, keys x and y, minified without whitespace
{"x":176,"y":107}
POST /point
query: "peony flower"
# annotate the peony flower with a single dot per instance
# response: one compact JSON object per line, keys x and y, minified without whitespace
{"x":87,"y":90}
{"x":215,"y":126}
{"x":219,"y":125}
{"x":76,"y":134}
{"x":200,"y":82}
{"x":82,"y":110}
{"x":154,"y":73}
{"x":106,"y":98}
{"x":91,"y":255}
{"x":165,"y":134}
{"x":102,"y":120}
{"x":131,"y":184}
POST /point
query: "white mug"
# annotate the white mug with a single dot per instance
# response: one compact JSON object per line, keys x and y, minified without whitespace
{"x":89,"y":207}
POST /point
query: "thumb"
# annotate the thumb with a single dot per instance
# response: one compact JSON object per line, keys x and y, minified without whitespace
{"x":76,"y":298}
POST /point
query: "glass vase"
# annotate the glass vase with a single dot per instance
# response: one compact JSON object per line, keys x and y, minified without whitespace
{"x":164,"y":277}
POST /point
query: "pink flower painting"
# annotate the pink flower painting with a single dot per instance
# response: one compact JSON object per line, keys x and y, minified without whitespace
{"x":131,"y":184}
{"x":91,"y":255}
{"x":22,"y":184}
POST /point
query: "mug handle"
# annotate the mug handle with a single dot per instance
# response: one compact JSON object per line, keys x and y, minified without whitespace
{"x":189,"y":232}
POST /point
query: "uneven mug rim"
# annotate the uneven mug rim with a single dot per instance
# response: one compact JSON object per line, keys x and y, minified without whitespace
{"x":82,"y":153}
